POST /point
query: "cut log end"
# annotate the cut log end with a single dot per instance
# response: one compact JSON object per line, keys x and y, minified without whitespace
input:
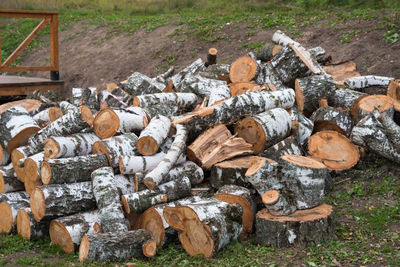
{"x":125,"y":204}
{"x":99,"y":148}
{"x":45,"y":172}
{"x":31,"y":170}
{"x":213,"y":51}
{"x":38,"y":205}
{"x":149,"y":248}
{"x":253,"y":132}
{"x":147,"y":146}
{"x":152,"y":222}
{"x":243,"y":69}
{"x":6,"y":218}
{"x":59,"y":235}
{"x":304,"y":161}
{"x":51,"y":148}
{"x":270,"y":197}
{"x":55,"y":113}
{"x":21,"y":138}
{"x":366,"y":104}
{"x":31,"y":185}
{"x":87,"y":115}
{"x":256,"y":165}
{"x":84,"y":249}
{"x":2,"y":184}
{"x":106,"y":123}
{"x":299,"y":95}
{"x":23,"y":224}
{"x":16,"y":156}
{"x":149,"y":184}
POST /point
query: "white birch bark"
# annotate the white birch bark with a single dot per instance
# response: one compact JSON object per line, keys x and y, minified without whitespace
{"x":8,"y":180}
{"x":183,"y":100}
{"x":196,"y":66}
{"x":366,"y":81}
{"x":79,"y":144}
{"x":153,"y":135}
{"x":10,"y":204}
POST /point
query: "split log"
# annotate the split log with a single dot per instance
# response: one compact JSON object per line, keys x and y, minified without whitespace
{"x":79,"y":144}
{"x":345,"y":98}
{"x":61,"y":200}
{"x":196,"y":66}
{"x":233,"y":172}
{"x":67,"y":107}
{"x":265,"y":129}
{"x":154,"y":177}
{"x":366,"y":81}
{"x":153,"y":136}
{"x":211,"y":57}
{"x":140,"y":84}
{"x":239,"y":195}
{"x":10,"y":204}
{"x":334,"y":150}
{"x":4,"y":156}
{"x":142,"y":200}
{"x":16,"y":126}
{"x":183,"y":100}
{"x":108,"y":200}
{"x":116,"y":246}
{"x":32,"y":106}
{"x":310,"y":90}
{"x":205,"y":227}
{"x":304,"y":228}
{"x":48,"y":115}
{"x":72,"y":122}
{"x":30,"y":229}
{"x":110,"y":121}
{"x":366,"y":104}
{"x":265,"y":52}
{"x":288,"y":146}
{"x":116,"y":146}
{"x":302,"y":127}
{"x":71,"y":170}
{"x":243,"y":69}
{"x":329,"y":118}
{"x":394,"y":92}
{"x":67,"y":232}
{"x":9,"y":181}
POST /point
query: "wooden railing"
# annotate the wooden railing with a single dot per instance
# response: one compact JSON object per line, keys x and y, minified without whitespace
{"x":48,"y":17}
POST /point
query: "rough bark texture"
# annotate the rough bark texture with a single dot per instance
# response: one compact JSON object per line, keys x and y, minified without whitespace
{"x":8,"y":180}
{"x":125,"y":184}
{"x":30,"y":229}
{"x":304,"y":228}
{"x":48,"y":115}
{"x":18,"y":156}
{"x":142,"y":200}
{"x":140,"y":84}
{"x":67,"y":107}
{"x":329,"y":118}
{"x":61,"y":200}
{"x":183,"y":100}
{"x":267,"y":75}
{"x":153,"y":135}
{"x":392,"y":130}
{"x":200,"y":85}
{"x":361,"y":82}
{"x":318,"y":53}
{"x":71,"y":170}
{"x":344,"y":98}
{"x":10,"y":204}
{"x":288,"y":146}
{"x":79,"y":144}
{"x":89,"y":98}
{"x":265,"y":53}
{"x":164,"y":110}
{"x":218,"y":94}
{"x":214,"y":72}
{"x":163,"y":77}
{"x":302,"y":127}
{"x":196,"y":66}
{"x":142,"y":164}
{"x":118,"y":98}
{"x":176,"y":189}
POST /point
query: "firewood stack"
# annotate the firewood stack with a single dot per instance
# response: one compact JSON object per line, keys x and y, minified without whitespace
{"x":207,"y":155}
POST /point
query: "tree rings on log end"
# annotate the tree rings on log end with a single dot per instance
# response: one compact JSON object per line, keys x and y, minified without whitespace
{"x":84,"y":249}
{"x":16,"y":156}
{"x":241,"y":87}
{"x":23,"y":224}
{"x":149,"y":248}
{"x":252,"y":132}
{"x":256,"y":165}
{"x":243,"y":69}
{"x":38,"y":204}
{"x":106,"y":123}
{"x":45,"y":172}
{"x":55,"y":113}
{"x":147,"y":145}
{"x":366,"y":104}
{"x":59,"y":235}
{"x":299,"y":96}
{"x":304,"y":161}
{"x":334,"y":149}
{"x":6,"y":218}
{"x":99,"y":148}
{"x":152,"y":222}
{"x":87,"y":115}
{"x":51,"y":148}
{"x":149,"y":184}
{"x":30,"y":185}
{"x":21,"y":138}
{"x":270,"y":197}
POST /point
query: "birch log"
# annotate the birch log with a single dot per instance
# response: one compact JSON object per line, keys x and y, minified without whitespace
{"x":110,"y":121}
{"x":176,"y":189}
{"x":163,"y":77}
{"x":265,"y":52}
{"x":214,"y":72}
{"x":89,"y":98}
{"x":32,"y":171}
{"x":8,"y":180}
{"x":268,"y":75}
{"x":288,"y":146}
{"x":201,"y":86}
{"x":125,"y":184}
{"x":4,"y":156}
{"x":61,"y":200}
{"x":67,"y":232}
{"x":116,"y":246}
{"x":48,"y":115}
{"x":329,"y":118}
{"x":243,"y":69}
{"x":302,"y":127}
{"x":140,"y":84}
{"x":10,"y":204}
{"x":265,"y":129}
{"x":31,"y":105}
{"x":218,"y":94}
{"x":19,"y":155}
{"x":71,"y":170}
{"x":183,"y":100}
{"x":366,"y":104}
{"x":118,"y":98}
{"x":196,"y":66}
{"x":361,"y":82}
{"x":16,"y":126}
{"x":394,"y":92}
{"x":345,"y":98}
{"x":66,"y":107}
{"x":392,"y":130}
{"x":153,"y":135}
{"x":30,"y":229}
{"x":142,"y":200}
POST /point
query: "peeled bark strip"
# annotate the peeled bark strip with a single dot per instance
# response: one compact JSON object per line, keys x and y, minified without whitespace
{"x":72,"y":122}
{"x":16,"y":126}
{"x":48,"y":115}
{"x":140,"y":84}
{"x":243,"y":69}
{"x":329,"y":118}
{"x":67,"y":232}
{"x":394,"y":92}
{"x":310,"y":90}
{"x":79,"y":144}
{"x":365,"y":105}
{"x":183,"y":100}
{"x":71,"y":170}
{"x":116,"y":246}
{"x":205,"y":227}
{"x":10,"y":204}
{"x":108,"y":200}
{"x":9,"y":181}
{"x":116,"y":146}
{"x":369,"y":80}
{"x":288,"y":146}
{"x":154,"y":177}
{"x":304,"y":228}
{"x":61,"y":200}
{"x":30,"y":229}
{"x":142,"y":200}
{"x":32,"y":167}
{"x":265,"y":53}
{"x":153,"y":136}
{"x":196,"y":66}
{"x":265,"y":129}
{"x":110,"y":121}
{"x":345,"y":98}
{"x":239,"y":195}
{"x":334,"y":150}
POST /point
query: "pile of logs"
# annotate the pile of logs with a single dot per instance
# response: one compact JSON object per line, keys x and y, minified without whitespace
{"x":208,"y":155}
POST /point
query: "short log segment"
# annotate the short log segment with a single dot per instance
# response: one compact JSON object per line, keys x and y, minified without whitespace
{"x":153,"y":136}
{"x":71,"y":170}
{"x":205,"y":227}
{"x":265,"y":129}
{"x":211,"y":57}
{"x":361,"y":82}
{"x":30,"y":229}
{"x":142,"y":200}
{"x":117,"y":246}
{"x":72,"y":122}
{"x":302,"y":127}
{"x":239,"y":195}
{"x":303,"y":228}
{"x":154,"y":177}
{"x":48,"y":115}
{"x":265,"y":53}
{"x":67,"y":232}
{"x":310,"y":90}
{"x":116,"y":146}
{"x":108,"y":200}
{"x":10,"y":204}
{"x":176,"y":189}
{"x":288,"y":146}
{"x":345,"y":98}
{"x":16,"y":126}
{"x":183,"y":100}
{"x":110,"y":121}
{"x":196,"y":66}
{"x":243,"y":69}
{"x":140,"y":84}
{"x":329,"y":118}
{"x":9,"y":181}
{"x":334,"y":150}
{"x":89,"y":98}
{"x":61,"y":200}
{"x":365,"y":105}
{"x":79,"y":144}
